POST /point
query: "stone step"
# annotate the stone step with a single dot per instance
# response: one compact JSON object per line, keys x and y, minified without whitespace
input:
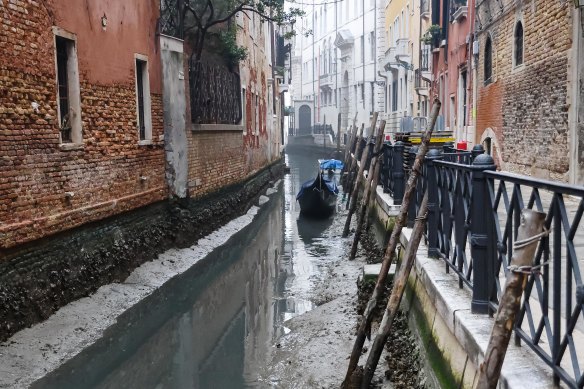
{"x":371,"y":271}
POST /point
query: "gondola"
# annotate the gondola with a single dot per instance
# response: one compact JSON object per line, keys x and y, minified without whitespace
{"x":318,"y":197}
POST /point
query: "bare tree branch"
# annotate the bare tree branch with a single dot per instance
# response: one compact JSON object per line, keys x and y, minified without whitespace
{"x":212,"y":14}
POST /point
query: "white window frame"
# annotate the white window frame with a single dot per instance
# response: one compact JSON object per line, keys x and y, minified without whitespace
{"x":147,"y":100}
{"x":73,"y":89}
{"x":244,"y":109}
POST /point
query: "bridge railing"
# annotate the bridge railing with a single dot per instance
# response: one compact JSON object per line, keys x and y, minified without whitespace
{"x":474,"y":213}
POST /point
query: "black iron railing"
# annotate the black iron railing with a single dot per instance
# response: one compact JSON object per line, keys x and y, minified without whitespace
{"x":392,"y":172}
{"x":170,"y":22}
{"x":473,"y":217}
{"x":215,"y":94}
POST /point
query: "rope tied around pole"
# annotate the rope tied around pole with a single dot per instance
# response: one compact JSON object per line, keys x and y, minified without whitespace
{"x":525,"y":242}
{"x":529,"y":269}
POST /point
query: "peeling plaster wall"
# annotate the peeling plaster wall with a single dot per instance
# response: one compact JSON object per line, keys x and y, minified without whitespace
{"x":174,"y":115}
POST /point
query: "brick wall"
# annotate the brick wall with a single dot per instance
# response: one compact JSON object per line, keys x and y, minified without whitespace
{"x":526,"y":107}
{"x":105,"y":174}
{"x":215,"y":160}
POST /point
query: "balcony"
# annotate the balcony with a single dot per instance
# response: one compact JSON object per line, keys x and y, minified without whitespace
{"x":458,"y":10}
{"x":420,"y":84}
{"x":425,"y":9}
{"x":402,"y":47}
{"x":326,"y":81}
{"x":389,"y":60}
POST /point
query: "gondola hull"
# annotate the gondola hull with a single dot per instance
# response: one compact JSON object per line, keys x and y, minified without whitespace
{"x":318,"y":198}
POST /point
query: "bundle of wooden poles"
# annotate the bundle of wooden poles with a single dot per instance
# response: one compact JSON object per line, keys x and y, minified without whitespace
{"x":352,"y":180}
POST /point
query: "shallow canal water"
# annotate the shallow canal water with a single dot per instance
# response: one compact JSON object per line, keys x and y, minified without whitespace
{"x":217,"y":325}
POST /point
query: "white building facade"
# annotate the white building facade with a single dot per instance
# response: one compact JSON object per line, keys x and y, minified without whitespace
{"x":336,"y":68}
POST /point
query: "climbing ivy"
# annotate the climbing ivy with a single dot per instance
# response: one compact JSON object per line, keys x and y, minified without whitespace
{"x":232,"y":52}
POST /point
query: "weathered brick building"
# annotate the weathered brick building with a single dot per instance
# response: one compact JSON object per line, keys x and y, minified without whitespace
{"x":96,"y":134}
{"x":523,"y":85}
{"x":452,"y":73}
{"x":81,"y":132}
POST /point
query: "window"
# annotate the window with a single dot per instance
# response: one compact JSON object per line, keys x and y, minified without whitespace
{"x":143,"y":99}
{"x":488,"y":60}
{"x":372,"y":43}
{"x":518,"y":55}
{"x":257,"y":117}
{"x":63,"y":85}
{"x":401,"y":89}
{"x":372,"y":97}
{"x":243,"y":106}
{"x":68,"y":98}
{"x":362,"y":48}
{"x":394,"y":96}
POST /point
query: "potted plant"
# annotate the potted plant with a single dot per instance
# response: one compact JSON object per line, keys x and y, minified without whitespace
{"x":432,"y":36}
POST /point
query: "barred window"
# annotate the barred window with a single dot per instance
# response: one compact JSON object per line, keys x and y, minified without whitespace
{"x":488,"y":60}
{"x":518,"y":44}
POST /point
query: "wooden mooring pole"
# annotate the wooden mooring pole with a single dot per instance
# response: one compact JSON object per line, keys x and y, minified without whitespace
{"x":338,"y":135}
{"x":354,"y":194}
{"x":369,"y":189}
{"x":391,"y":247}
{"x":348,"y":147}
{"x":397,"y":293}
{"x":348,"y":184}
{"x":530,"y":231}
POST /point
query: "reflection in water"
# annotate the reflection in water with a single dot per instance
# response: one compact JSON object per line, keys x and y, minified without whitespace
{"x":215,"y":326}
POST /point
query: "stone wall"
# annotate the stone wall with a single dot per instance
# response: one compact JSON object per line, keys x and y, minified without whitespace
{"x":525,"y":108}
{"x":46,"y":187}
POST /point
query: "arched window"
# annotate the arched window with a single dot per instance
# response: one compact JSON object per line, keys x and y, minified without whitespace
{"x":488,"y":60}
{"x":518,"y":55}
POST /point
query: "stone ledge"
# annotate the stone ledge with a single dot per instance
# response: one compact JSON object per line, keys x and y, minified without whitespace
{"x":217,"y":127}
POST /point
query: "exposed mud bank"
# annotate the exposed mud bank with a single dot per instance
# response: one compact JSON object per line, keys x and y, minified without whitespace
{"x":403,"y":366}
{"x":315,"y":353}
{"x":39,"y":278}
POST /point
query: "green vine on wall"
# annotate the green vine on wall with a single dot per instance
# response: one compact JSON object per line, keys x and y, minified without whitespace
{"x":232,"y":52}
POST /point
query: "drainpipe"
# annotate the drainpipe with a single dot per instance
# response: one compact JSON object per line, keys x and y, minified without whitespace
{"x":473,"y":62}
{"x":475,"y":88}
{"x":374,"y":54}
{"x":313,"y":60}
{"x":363,"y":51}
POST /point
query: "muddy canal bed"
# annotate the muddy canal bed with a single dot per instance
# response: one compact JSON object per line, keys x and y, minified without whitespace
{"x":268,"y":301}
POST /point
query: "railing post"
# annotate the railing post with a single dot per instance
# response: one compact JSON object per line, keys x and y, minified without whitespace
{"x":386,"y":166}
{"x":483,"y":239}
{"x":412,"y":205}
{"x":398,"y":175}
{"x":448,"y":147}
{"x":477,"y":150}
{"x":432,"y":188}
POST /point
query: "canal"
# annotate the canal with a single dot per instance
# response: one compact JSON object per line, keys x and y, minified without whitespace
{"x":218,"y":324}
